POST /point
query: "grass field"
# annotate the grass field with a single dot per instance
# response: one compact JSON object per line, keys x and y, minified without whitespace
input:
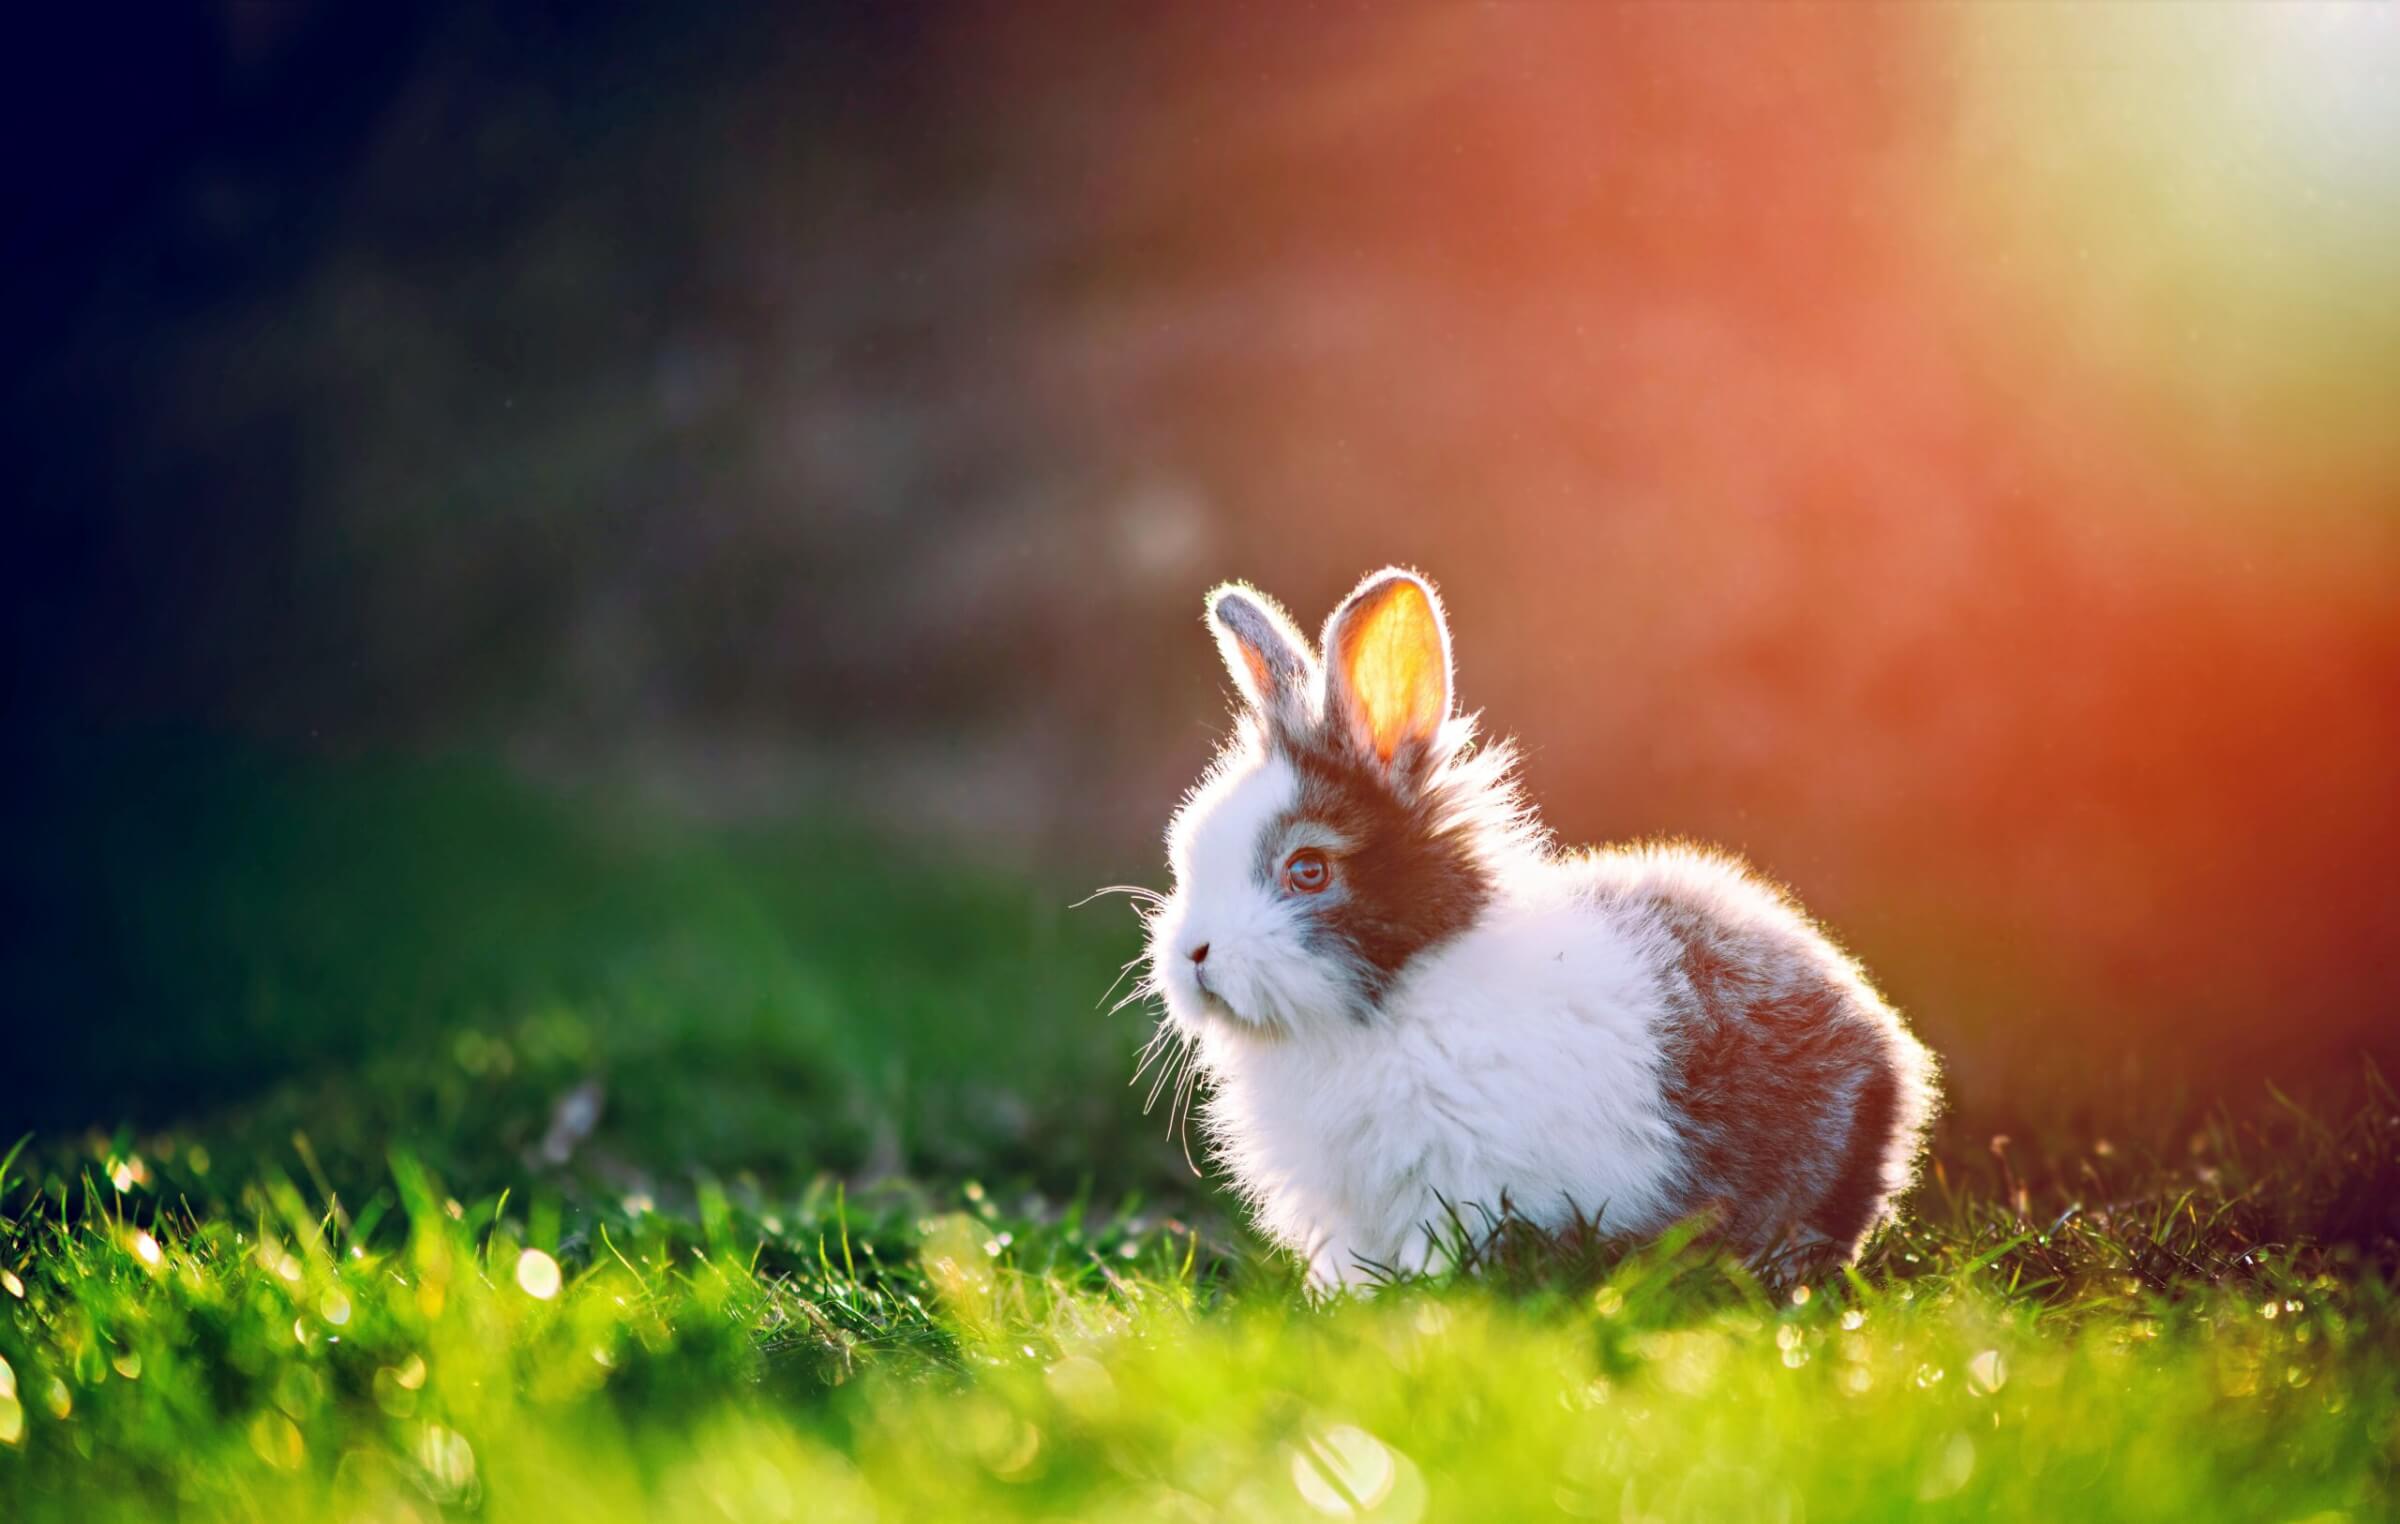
{"x":507,"y":1159}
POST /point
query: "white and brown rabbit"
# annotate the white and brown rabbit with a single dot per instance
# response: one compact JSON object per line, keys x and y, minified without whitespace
{"x":1411,"y":1010}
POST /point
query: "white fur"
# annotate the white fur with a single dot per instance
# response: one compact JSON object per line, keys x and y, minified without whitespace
{"x":1258,"y":964}
{"x":1520,"y":1060}
{"x":1517,"y":1063}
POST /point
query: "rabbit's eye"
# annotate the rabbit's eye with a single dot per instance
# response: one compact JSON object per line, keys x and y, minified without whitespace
{"x":1307,"y":872}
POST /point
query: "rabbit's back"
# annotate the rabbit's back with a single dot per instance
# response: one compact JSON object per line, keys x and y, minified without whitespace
{"x":1801,"y":1097}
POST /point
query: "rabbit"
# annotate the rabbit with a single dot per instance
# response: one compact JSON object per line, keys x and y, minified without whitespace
{"x":1407,"y":1009}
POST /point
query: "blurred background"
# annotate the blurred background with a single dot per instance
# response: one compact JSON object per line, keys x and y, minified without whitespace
{"x":1951,"y":455}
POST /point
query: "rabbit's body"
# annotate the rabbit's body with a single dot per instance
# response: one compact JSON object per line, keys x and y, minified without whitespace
{"x":1579,"y":1054}
{"x":1414,"y":1014}
{"x":1352,"y":1141}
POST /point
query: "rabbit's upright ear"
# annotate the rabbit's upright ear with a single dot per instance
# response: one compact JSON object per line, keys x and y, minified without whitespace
{"x":1387,"y":669}
{"x":1265,"y":652}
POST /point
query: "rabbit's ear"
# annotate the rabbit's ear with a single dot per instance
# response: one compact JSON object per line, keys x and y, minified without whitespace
{"x":1387,"y":669}
{"x":1264,"y":651}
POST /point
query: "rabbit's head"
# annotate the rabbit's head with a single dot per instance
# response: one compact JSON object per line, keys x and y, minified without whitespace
{"x":1347,"y":827}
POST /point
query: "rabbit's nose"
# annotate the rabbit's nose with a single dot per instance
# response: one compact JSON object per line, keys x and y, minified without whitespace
{"x":1200,"y":955}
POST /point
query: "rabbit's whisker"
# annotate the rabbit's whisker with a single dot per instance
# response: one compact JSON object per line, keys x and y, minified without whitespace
{"x":1131,"y":891}
{"x":1158,"y":1083}
{"x":1131,"y":964}
{"x":1181,"y":1116}
{"x":1153,"y":1050}
{"x":1182,"y":1056}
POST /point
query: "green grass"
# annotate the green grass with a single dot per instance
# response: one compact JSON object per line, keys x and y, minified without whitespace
{"x":869,"y":1227}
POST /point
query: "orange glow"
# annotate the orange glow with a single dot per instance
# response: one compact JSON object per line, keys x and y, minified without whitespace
{"x":1392,"y":657}
{"x":1945,"y":453}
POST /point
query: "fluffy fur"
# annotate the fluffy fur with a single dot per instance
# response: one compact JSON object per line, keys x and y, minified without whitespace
{"x":1463,"y":1021}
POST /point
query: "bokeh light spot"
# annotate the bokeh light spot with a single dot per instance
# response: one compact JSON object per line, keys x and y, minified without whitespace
{"x":537,"y":1275}
{"x":1344,"y":1473}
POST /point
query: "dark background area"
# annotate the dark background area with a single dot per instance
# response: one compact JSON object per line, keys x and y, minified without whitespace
{"x":1945,"y":455}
